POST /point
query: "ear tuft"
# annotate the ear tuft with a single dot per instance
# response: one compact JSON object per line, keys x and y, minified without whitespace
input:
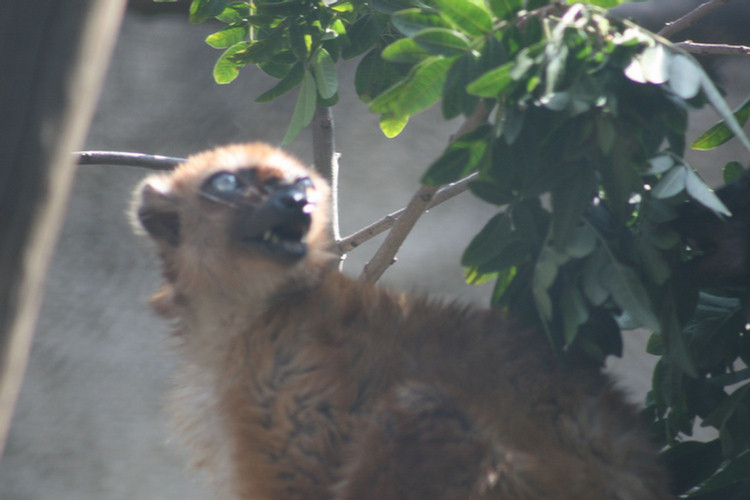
{"x":156,"y":212}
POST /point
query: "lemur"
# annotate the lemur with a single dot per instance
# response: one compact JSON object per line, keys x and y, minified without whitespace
{"x":298,"y":382}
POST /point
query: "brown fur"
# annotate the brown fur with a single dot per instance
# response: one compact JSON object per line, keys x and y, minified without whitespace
{"x":300,"y":383}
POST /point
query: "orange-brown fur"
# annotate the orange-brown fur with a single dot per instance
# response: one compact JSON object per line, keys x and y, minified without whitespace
{"x":300,"y":383}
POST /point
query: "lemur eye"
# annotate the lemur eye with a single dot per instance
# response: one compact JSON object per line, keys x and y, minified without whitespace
{"x":225,"y":183}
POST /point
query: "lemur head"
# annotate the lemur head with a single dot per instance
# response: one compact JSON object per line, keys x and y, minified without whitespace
{"x":234,"y":216}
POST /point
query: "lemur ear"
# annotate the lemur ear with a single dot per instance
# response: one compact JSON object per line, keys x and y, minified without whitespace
{"x":156,"y":211}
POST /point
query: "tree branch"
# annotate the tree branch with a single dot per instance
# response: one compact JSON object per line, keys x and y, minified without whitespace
{"x":152,"y":162}
{"x":327,"y":161}
{"x":714,"y":48}
{"x":352,"y":241}
{"x":421,"y":200}
{"x":691,"y":17}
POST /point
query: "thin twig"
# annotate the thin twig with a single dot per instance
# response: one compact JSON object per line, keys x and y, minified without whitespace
{"x":714,"y":48}
{"x":327,"y":161}
{"x":691,"y":17}
{"x":384,"y":256}
{"x":152,"y":162}
{"x":352,"y":241}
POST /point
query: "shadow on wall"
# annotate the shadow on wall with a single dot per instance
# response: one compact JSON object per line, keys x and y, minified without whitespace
{"x":90,"y":424}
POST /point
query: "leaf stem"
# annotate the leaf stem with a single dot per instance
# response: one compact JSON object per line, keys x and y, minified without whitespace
{"x":327,"y":161}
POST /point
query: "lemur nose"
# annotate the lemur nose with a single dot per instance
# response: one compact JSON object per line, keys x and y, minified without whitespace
{"x":290,"y":198}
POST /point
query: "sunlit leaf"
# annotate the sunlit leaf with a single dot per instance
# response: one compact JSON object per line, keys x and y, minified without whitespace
{"x":227,"y":37}
{"x":418,"y":91}
{"x":393,"y":125}
{"x":225,"y":70}
{"x":655,"y":62}
{"x":471,"y":18}
{"x":405,"y":50}
{"x":720,"y":133}
{"x":304,"y":110}
{"x":442,"y":41}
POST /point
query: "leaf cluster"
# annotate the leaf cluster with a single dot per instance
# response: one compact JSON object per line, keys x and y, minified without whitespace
{"x":581,"y":153}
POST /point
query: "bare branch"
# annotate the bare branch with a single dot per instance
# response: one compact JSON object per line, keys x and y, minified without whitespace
{"x":714,"y":48}
{"x":152,"y":162}
{"x":691,"y":17}
{"x":421,"y":200}
{"x":352,"y":241}
{"x":327,"y":161}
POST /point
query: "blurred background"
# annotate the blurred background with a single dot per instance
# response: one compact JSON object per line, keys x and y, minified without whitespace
{"x":90,"y":423}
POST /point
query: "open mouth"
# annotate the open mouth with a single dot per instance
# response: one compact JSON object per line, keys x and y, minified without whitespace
{"x":285,"y":239}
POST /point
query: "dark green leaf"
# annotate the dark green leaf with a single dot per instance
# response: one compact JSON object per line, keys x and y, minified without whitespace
{"x":449,"y":167}
{"x":275,"y":69}
{"x":200,"y":10}
{"x":736,"y":472}
{"x":505,"y":9}
{"x":374,"y":75}
{"x":362,"y":35}
{"x":732,"y":171}
{"x":390,"y":6}
{"x":492,"y":83}
{"x":455,"y":99}
{"x":471,"y":18}
{"x":282,"y":8}
{"x":299,"y":41}
{"x":489,"y":242}
{"x":629,"y":293}
{"x":569,"y":201}
{"x":574,"y":312}
{"x":289,"y":82}
{"x":411,"y":21}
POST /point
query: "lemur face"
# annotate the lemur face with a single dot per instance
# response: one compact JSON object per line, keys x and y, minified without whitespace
{"x":244,"y":200}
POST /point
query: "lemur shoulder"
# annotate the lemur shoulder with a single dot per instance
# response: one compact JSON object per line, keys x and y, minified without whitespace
{"x":300,"y":383}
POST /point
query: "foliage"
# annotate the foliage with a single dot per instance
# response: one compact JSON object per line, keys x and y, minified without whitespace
{"x":582,"y":152}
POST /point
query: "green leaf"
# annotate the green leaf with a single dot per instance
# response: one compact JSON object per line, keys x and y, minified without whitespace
{"x":489,"y":242}
{"x":405,"y":50}
{"x":200,"y":10}
{"x":606,"y":4}
{"x":448,"y":168}
{"x":629,"y":293}
{"x":324,"y":70}
{"x":691,"y":462}
{"x":732,"y":171}
{"x":411,"y":21}
{"x":232,"y":34}
{"x":721,"y":107}
{"x":569,"y":201}
{"x":285,"y":85}
{"x":471,"y":18}
{"x":581,"y":243}
{"x":442,"y":41}
{"x":421,"y":89}
{"x":393,"y":125}
{"x":720,"y":133}
{"x":455,"y":99}
{"x":592,"y":278}
{"x":492,"y":83}
{"x":374,"y":75}
{"x":574,"y":312}
{"x":235,"y":12}
{"x":390,"y":6}
{"x":505,"y":9}
{"x":225,"y":70}
{"x":304,"y":110}
{"x":362,"y":35}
